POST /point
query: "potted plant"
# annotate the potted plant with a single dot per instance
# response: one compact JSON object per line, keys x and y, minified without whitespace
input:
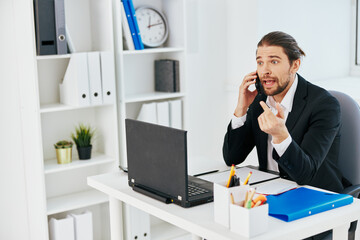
{"x":82,"y":138}
{"x":63,"y":151}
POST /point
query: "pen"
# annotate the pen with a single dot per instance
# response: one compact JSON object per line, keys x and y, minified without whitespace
{"x":205,"y":173}
{"x":247,"y":178}
{"x":257,"y":204}
{"x":248,"y":205}
{"x":248,"y":200}
{"x":232,"y":198}
{"x":259,"y":199}
{"x":252,"y":192}
{"x":246,"y":197}
{"x":232,"y":172}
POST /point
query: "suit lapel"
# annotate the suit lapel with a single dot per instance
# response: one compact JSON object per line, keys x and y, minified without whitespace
{"x":298,"y":104}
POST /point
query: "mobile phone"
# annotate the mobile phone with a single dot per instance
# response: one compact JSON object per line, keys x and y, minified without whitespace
{"x":258,"y":85}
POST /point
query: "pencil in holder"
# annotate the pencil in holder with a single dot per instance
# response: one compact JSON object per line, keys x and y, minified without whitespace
{"x":248,"y":222}
{"x":222,"y":201}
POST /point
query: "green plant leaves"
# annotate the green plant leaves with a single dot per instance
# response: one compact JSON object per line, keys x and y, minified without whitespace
{"x":63,"y":144}
{"x":83,"y":135}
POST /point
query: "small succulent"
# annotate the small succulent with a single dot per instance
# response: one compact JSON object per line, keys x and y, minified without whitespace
{"x":63,"y":144}
{"x":83,"y":135}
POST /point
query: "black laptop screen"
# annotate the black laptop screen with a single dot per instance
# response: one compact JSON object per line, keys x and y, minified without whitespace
{"x":157,"y":157}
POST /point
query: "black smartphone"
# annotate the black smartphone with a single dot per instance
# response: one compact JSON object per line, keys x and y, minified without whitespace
{"x":258,"y":85}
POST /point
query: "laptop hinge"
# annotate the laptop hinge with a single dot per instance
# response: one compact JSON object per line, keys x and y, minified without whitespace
{"x":152,"y":194}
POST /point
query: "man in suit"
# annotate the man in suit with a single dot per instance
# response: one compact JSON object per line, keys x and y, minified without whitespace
{"x":293,"y":123}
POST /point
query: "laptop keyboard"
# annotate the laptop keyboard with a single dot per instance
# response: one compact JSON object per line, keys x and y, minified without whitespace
{"x":194,"y":190}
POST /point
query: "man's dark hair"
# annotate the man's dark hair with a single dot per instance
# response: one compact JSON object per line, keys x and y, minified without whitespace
{"x":284,"y":40}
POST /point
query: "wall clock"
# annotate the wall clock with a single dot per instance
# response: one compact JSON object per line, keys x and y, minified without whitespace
{"x":153,"y":26}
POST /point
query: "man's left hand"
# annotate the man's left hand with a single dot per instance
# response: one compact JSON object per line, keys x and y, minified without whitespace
{"x":273,"y":124}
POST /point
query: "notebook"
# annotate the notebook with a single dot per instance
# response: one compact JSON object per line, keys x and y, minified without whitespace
{"x":303,"y":202}
{"x":157,"y":165}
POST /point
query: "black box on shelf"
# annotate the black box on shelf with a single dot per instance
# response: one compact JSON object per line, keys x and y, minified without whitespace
{"x":167,"y":75}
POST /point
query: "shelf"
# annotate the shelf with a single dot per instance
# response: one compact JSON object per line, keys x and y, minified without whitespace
{"x":153,"y":50}
{"x":58,"y":107}
{"x":49,"y":57}
{"x":51,"y":166}
{"x":75,"y":201}
{"x":166,"y":230}
{"x":142,"y":97}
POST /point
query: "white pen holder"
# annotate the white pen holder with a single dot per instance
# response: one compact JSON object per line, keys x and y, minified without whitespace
{"x":222,"y":201}
{"x":248,"y":222}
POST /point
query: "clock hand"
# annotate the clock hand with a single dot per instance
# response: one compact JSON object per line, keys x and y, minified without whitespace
{"x":149,"y":22}
{"x":154,"y":25}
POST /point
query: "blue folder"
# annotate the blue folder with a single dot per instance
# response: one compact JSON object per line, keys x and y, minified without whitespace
{"x":130,"y":19}
{"x":136,"y":26}
{"x":303,"y":202}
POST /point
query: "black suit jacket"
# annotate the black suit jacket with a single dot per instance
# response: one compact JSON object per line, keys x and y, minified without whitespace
{"x":313,"y":124}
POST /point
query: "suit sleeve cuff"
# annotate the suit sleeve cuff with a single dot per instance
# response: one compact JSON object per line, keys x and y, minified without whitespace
{"x":281,"y":147}
{"x":237,"y":122}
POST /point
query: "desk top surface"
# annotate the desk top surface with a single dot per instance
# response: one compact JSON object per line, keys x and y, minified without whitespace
{"x":200,"y":219}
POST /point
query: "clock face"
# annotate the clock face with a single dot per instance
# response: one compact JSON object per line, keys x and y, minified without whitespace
{"x":153,"y":26}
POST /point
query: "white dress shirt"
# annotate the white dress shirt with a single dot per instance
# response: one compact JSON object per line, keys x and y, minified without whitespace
{"x":286,"y":104}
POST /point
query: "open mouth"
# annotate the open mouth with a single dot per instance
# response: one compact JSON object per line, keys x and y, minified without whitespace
{"x":268,"y":82}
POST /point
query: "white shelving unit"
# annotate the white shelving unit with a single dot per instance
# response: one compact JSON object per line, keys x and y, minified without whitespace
{"x":96,"y":26}
{"x":136,"y":81}
{"x":90,"y":25}
{"x":135,"y":69}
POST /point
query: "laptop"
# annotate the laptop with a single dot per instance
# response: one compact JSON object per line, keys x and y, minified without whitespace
{"x":157,"y":165}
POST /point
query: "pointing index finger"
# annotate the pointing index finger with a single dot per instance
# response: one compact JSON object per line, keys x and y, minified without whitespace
{"x":264,"y":106}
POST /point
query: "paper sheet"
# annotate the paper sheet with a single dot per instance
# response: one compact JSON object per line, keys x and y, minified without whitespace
{"x":257,"y":176}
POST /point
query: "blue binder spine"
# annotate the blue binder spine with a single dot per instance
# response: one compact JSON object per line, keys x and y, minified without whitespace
{"x":131,"y":23}
{"x":137,"y":30}
{"x":302,"y":202}
{"x":331,"y":204}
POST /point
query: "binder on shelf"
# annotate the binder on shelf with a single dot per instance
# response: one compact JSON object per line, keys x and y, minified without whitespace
{"x":302,"y":202}
{"x":127,"y":38}
{"x":137,"y":223}
{"x":137,"y":29}
{"x":74,"y":90}
{"x":107,"y":77}
{"x":61,"y":229}
{"x":148,"y":113}
{"x":95,"y":90}
{"x":61,"y":45}
{"x":175,"y":107}
{"x":69,"y":41}
{"x":163,"y":117}
{"x":131,"y":23}
{"x":83,"y":226}
{"x":45,"y":27}
{"x":167,"y":77}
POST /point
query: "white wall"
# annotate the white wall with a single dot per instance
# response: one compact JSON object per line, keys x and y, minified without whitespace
{"x":222,"y":42}
{"x":206,"y":72}
{"x":321,"y":28}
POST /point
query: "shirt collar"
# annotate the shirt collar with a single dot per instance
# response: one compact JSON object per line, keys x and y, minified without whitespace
{"x":287,"y":102}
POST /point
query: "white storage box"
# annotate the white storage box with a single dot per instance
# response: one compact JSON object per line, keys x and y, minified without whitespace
{"x":222,"y":201}
{"x":248,"y":222}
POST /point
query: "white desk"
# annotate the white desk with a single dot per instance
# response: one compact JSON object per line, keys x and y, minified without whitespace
{"x":199,"y":220}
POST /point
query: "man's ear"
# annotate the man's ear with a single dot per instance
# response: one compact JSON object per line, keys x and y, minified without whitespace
{"x":295,"y":66}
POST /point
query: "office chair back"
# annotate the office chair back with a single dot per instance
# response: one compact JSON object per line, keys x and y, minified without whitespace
{"x":349,"y":154}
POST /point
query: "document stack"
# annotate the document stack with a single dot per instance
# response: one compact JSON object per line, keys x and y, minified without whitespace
{"x":50,"y":27}
{"x":137,"y":224}
{"x":89,"y":80}
{"x":168,"y":113}
{"x":73,"y":227}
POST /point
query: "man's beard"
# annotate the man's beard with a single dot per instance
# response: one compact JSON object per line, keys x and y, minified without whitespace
{"x":279,"y":89}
